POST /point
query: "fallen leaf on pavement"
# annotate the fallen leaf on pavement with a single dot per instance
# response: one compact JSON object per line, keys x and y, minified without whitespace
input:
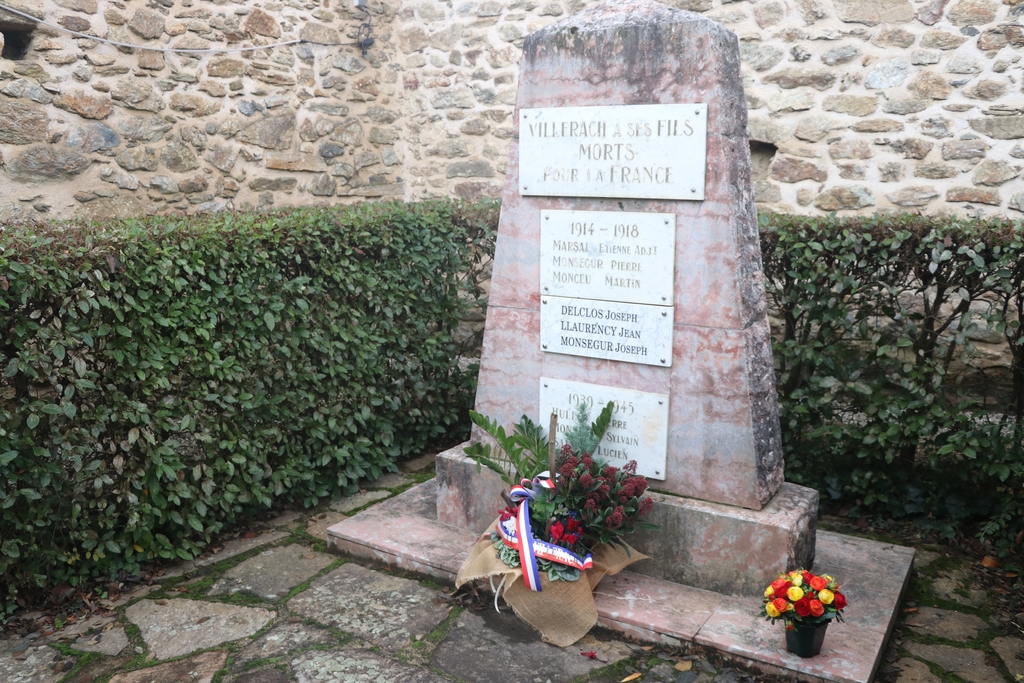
{"x":991,"y":562}
{"x":631,"y":677}
{"x":684,"y":666}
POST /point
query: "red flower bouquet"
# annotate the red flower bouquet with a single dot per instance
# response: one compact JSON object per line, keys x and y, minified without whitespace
{"x":566,"y":520}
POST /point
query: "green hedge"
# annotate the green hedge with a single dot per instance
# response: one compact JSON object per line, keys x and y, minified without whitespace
{"x":879,"y":402}
{"x":160,"y":378}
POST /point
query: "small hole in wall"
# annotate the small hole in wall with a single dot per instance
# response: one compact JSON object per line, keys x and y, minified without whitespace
{"x":16,"y":43}
{"x":761,"y":155}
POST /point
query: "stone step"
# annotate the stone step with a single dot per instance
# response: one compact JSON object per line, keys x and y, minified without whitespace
{"x":404,"y":532}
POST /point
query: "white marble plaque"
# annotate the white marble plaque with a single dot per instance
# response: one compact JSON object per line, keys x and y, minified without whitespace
{"x":634,"y":333}
{"x":609,"y":255}
{"x":646,"y":151}
{"x":639,"y":428}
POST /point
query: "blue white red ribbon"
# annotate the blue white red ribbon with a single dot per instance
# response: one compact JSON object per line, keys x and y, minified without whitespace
{"x":516,"y":533}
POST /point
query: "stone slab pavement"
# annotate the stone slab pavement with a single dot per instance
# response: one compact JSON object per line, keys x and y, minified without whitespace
{"x":281,"y":611}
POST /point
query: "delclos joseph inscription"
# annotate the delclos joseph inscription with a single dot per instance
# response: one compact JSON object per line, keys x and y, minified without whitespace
{"x":639,"y":428}
{"x":609,"y":255}
{"x":648,"y":151}
{"x":612,"y":330}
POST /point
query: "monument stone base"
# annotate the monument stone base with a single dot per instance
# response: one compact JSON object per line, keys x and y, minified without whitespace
{"x":706,"y":545}
{"x":405,"y":532}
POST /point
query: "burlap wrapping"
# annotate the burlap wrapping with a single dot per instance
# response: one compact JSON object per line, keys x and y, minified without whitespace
{"x":563,"y":611}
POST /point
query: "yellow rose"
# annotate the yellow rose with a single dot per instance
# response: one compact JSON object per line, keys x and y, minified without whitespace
{"x":772,"y":612}
{"x":797,"y":580}
{"x":769,"y":592}
{"x":795,"y":593}
{"x":826,"y":596}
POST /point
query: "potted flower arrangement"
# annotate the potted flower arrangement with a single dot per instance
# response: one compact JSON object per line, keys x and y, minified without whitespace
{"x":559,"y":525}
{"x":806,"y":603}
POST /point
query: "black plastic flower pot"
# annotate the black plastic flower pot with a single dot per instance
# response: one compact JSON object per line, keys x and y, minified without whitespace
{"x":806,"y":640}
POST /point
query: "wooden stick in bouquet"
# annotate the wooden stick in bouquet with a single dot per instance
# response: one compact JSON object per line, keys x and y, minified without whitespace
{"x":552,"y":433}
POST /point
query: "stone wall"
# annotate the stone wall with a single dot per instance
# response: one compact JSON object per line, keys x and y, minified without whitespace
{"x":855,"y":105}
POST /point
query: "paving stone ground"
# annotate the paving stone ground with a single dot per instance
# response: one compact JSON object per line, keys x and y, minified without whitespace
{"x":948,"y":624}
{"x":110,"y":642}
{"x":224,"y":618}
{"x":172,"y":628}
{"x":488,"y":647}
{"x":272,"y":573}
{"x":284,"y":638}
{"x":319,"y":524}
{"x":389,"y":611}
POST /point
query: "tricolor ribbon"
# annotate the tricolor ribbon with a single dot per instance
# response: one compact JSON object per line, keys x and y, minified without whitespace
{"x":516,"y":533}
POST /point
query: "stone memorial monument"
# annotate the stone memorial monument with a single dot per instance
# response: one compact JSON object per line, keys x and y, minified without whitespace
{"x":628,"y":269}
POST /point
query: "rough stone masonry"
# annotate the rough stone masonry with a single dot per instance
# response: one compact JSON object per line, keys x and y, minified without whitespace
{"x":856,"y":106}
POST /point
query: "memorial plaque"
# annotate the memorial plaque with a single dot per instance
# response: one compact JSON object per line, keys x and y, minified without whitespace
{"x":639,"y":428}
{"x":608,"y":255}
{"x":646,"y":151}
{"x":634,"y":333}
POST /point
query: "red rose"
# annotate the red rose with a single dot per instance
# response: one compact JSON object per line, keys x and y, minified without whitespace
{"x":780,"y":604}
{"x":817,"y":609}
{"x":818,"y":583}
{"x":802,"y":607}
{"x":840,"y":601}
{"x":780,"y":586}
{"x":807,"y":576}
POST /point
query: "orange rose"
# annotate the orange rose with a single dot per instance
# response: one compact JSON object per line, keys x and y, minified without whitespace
{"x":819,"y":583}
{"x":817,"y":609}
{"x":780,"y":604}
